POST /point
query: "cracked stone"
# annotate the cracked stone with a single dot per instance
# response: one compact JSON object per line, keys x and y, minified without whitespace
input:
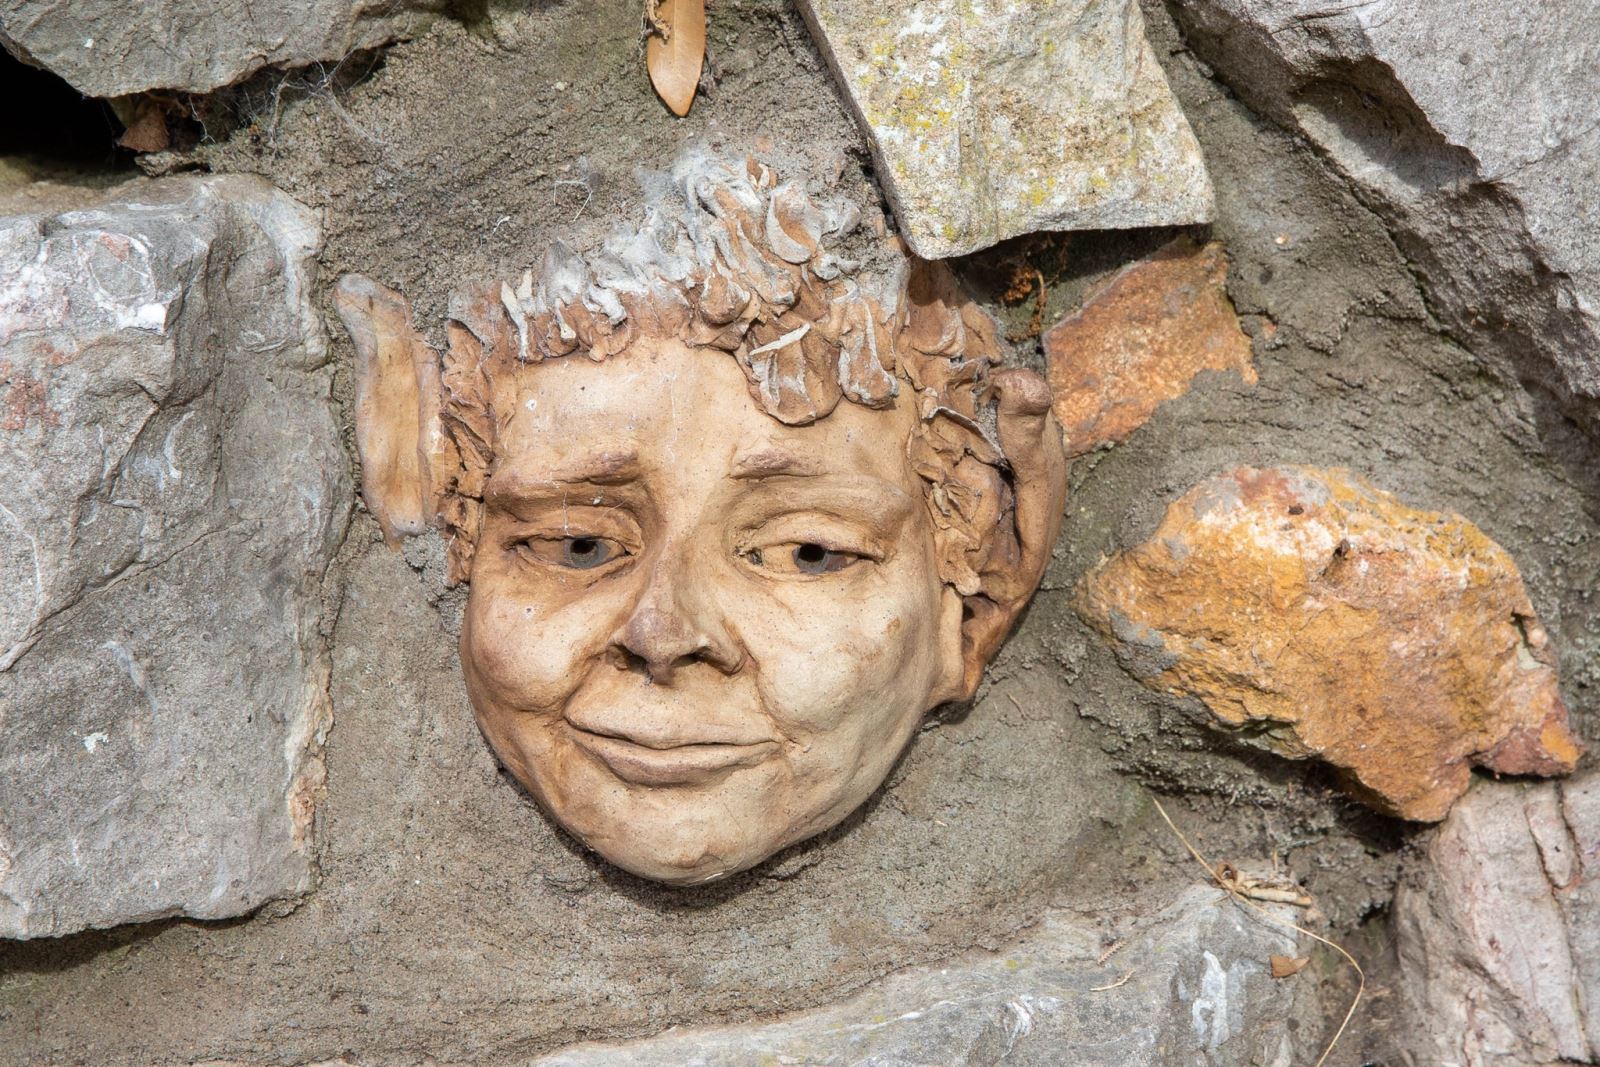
{"x":992,"y":122}
{"x":173,"y":491}
{"x":1471,"y":127}
{"x":1191,"y":984}
{"x":1498,"y":926}
{"x":1139,"y":340}
{"x":1319,"y":617}
{"x":106,"y":48}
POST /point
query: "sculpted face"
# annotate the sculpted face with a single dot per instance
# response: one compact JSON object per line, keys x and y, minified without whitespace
{"x":699,"y":635}
{"x":735,"y":512}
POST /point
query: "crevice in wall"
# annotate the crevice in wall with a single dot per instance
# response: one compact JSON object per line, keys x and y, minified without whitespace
{"x":52,"y":130}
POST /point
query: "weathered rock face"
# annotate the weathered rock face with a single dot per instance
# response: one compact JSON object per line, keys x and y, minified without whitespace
{"x":1473,"y":128}
{"x":1138,"y":342}
{"x":997,"y":122}
{"x":112,"y":49}
{"x":1190,"y":985}
{"x":171,"y":490}
{"x":1499,"y":928}
{"x":1324,"y":618}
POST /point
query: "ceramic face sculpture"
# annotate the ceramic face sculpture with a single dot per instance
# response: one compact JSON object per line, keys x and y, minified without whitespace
{"x":736,"y":510}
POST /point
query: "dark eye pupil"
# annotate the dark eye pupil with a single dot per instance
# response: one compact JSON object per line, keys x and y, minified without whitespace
{"x":585,"y":552}
{"x":811,"y":558}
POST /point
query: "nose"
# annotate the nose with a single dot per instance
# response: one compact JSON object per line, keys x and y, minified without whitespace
{"x":674,"y":622}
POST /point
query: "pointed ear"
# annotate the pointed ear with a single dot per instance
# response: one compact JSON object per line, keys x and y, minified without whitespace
{"x":1031,"y":439}
{"x":398,"y":432}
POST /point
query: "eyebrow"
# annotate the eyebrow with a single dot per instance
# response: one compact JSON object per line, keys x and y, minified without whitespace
{"x":591,"y":468}
{"x":771,"y":463}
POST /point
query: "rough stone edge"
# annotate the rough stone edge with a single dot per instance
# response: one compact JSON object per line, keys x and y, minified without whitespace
{"x":891,"y":193}
{"x":294,"y":231}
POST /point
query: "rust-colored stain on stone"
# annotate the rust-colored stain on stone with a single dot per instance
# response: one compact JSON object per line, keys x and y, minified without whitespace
{"x":1327,"y":619}
{"x":1139,"y":341}
{"x":24,"y":399}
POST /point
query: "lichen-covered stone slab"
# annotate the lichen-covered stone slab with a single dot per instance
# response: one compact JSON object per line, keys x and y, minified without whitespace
{"x":995,"y":119}
{"x":1189,"y":985}
{"x":172,"y":487}
{"x":1321,"y":617}
{"x":1139,"y":340}
{"x":111,"y":48}
{"x":1498,"y":928}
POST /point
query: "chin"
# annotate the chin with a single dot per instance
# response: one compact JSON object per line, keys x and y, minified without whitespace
{"x":682,"y":863}
{"x":689,"y":840}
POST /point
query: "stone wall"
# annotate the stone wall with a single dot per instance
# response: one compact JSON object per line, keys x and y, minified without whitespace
{"x":226,"y":698}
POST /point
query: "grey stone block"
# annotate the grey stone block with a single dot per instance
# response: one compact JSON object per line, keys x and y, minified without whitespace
{"x":991,"y":123}
{"x":1191,"y":985}
{"x":111,"y":48}
{"x":1473,"y":128}
{"x":172,"y":488}
{"x":1499,"y":928}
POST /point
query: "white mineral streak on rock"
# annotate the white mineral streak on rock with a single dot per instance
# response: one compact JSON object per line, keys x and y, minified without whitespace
{"x":171,"y":491}
{"x":1473,"y":128}
{"x":1041,"y":1003}
{"x":991,"y":118}
{"x":1499,"y":927}
{"x":113,"y":48}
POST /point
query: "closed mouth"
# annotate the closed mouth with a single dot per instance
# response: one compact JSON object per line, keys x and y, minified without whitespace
{"x":683,"y":764}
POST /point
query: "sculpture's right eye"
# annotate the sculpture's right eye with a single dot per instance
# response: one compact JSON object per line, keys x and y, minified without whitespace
{"x":581,"y":553}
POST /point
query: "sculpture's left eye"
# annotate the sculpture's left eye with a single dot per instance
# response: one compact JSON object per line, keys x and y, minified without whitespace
{"x":582,"y":553}
{"x":812,"y":558}
{"x":802,"y":558}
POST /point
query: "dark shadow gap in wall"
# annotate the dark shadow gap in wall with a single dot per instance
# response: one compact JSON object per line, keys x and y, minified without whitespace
{"x":52,"y":125}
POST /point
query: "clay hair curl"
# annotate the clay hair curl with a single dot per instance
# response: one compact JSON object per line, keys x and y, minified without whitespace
{"x":727,"y":256}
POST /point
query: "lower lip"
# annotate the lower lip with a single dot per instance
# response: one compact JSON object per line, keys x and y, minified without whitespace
{"x":683,"y":765}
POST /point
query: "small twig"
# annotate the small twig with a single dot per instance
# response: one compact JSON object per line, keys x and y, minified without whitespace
{"x":1275,"y":896}
{"x":1119,"y":982}
{"x":1361,"y":976}
{"x":588,"y":193}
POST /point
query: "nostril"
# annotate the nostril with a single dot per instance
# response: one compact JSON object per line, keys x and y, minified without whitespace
{"x":625,"y":660}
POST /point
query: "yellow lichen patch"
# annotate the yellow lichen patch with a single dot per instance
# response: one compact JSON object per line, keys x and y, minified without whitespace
{"x":1334,"y":621}
{"x":971,"y":96}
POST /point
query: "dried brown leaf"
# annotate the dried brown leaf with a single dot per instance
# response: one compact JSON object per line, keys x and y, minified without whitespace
{"x":676,"y":51}
{"x":1287,"y":966}
{"x":148,"y":132}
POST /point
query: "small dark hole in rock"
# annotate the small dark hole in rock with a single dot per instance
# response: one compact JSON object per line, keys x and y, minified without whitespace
{"x":49,"y":123}
{"x":1297,"y":510}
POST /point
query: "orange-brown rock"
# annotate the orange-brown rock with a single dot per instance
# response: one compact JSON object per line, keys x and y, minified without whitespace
{"x":1324,"y":618}
{"x":1139,"y":340}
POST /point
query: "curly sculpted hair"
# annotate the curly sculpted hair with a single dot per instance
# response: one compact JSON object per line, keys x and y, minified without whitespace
{"x":729,"y":257}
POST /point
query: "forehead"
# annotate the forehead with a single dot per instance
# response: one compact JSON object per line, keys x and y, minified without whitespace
{"x":665,"y":403}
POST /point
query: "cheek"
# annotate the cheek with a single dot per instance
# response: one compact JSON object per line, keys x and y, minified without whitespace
{"x":829,"y":653}
{"x":526,"y":644}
